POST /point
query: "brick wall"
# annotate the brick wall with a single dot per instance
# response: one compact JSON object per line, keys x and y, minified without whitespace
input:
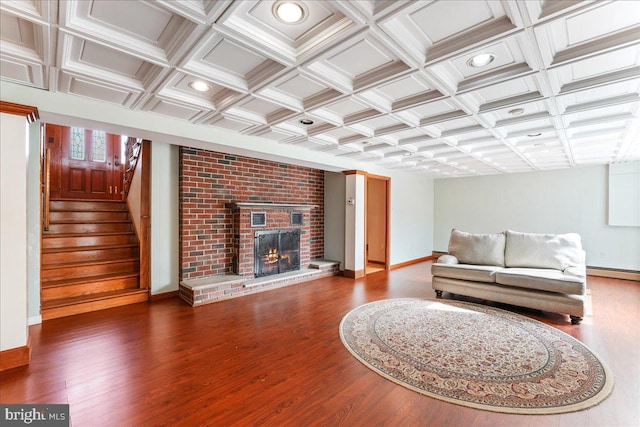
{"x":209,"y":181}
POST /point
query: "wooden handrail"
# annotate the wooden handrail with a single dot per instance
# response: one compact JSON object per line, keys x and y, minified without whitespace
{"x":47,"y":187}
{"x":134,"y":147}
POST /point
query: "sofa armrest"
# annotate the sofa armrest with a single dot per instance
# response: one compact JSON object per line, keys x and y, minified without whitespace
{"x":447,"y":259}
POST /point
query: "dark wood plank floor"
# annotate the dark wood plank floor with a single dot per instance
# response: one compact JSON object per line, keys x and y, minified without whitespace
{"x":276,"y":359}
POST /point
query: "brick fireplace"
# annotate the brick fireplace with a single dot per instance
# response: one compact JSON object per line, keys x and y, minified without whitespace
{"x":218,"y":194}
{"x":272,"y":216}
{"x":210,"y":186}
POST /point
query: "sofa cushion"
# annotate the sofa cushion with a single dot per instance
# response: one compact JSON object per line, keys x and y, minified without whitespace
{"x":476,"y":273}
{"x":448,"y":259}
{"x":477,"y":249}
{"x":542,"y":279}
{"x":556,"y":251}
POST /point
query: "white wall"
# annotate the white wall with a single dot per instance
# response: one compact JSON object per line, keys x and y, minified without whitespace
{"x":164,"y":218}
{"x":13,"y":231}
{"x":34,"y":224}
{"x":570,"y":200}
{"x":334,"y":215}
{"x":411,"y":217}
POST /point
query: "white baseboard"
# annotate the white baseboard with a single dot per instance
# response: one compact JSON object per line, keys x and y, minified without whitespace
{"x":35,"y":320}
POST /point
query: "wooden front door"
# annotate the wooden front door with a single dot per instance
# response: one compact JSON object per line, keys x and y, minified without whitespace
{"x":91,"y":166}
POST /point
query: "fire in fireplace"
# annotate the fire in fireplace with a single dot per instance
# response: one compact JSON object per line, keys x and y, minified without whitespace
{"x":276,"y":251}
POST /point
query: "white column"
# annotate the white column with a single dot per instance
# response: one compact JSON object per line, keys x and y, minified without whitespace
{"x":165,"y":248}
{"x":354,"y":225}
{"x":13,"y":231}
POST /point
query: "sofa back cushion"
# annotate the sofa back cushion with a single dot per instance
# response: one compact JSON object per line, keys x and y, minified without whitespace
{"x":557,"y":251}
{"x":478,"y":249}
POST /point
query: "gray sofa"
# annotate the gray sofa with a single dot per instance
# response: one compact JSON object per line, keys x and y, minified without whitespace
{"x":539,"y":271}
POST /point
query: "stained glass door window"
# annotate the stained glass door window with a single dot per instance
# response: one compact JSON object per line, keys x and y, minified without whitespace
{"x":99,"y":146}
{"x":77,"y":143}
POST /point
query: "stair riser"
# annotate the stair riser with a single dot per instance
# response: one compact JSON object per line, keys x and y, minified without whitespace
{"x":52,"y":241}
{"x":88,"y":288}
{"x":54,"y":313}
{"x":86,"y":206}
{"x":98,"y":254}
{"x":89,"y":270}
{"x":108,"y":227}
{"x":87,"y":216}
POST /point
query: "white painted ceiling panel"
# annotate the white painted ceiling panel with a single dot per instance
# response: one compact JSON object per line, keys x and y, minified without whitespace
{"x":17,"y":31}
{"x":385,"y":83}
{"x":123,"y":15}
{"x":20,"y":72}
{"x":78,"y":85}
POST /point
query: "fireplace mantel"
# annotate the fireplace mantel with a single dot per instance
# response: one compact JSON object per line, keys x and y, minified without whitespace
{"x":254,"y":205}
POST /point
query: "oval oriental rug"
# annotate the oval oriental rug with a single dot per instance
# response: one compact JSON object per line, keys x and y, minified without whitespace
{"x":476,"y":356}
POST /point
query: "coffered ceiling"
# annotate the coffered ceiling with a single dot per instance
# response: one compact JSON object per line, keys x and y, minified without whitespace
{"x":388,"y":83}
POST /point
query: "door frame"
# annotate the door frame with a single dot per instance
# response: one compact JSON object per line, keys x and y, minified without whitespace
{"x":387,"y":232}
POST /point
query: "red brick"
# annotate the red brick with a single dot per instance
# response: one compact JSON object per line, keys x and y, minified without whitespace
{"x":242,"y":179}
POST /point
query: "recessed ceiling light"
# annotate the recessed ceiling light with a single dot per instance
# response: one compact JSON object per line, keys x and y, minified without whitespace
{"x":516,"y":111}
{"x":289,"y":12}
{"x":533,"y":135}
{"x":306,"y":122}
{"x":481,"y":60}
{"x":200,"y":86}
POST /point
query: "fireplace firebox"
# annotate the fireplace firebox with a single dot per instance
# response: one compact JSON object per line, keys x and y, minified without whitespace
{"x":276,"y":251}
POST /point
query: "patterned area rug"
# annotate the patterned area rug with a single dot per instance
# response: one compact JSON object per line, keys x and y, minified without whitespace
{"x":476,"y":356}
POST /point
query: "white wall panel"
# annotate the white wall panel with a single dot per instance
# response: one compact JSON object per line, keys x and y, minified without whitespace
{"x":573,"y":200}
{"x":13,"y":231}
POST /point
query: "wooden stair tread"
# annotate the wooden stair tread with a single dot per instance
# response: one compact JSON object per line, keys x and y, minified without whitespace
{"x":80,"y":264}
{"x":86,"y":279}
{"x":99,"y":233}
{"x":62,"y":302}
{"x":87,"y":200}
{"x":89,"y":221}
{"x":88,"y":248}
{"x":88,"y":211}
{"x":101,"y":273}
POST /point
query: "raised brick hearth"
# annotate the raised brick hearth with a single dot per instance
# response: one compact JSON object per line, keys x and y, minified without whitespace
{"x":206,"y":290}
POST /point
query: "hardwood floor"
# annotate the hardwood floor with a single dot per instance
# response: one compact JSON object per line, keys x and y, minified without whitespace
{"x":276,"y":359}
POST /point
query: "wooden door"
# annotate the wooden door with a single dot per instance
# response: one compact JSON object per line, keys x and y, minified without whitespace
{"x":90,"y":164}
{"x":377,"y":196}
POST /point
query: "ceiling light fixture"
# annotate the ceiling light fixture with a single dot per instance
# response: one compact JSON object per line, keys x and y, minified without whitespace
{"x":533,"y":135}
{"x":200,"y":86}
{"x":289,"y":12}
{"x":481,"y":60}
{"x":516,"y":111}
{"x":306,"y":122}
{"x":408,"y":154}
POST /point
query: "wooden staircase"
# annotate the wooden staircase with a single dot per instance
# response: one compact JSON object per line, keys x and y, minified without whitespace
{"x":90,"y":258}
